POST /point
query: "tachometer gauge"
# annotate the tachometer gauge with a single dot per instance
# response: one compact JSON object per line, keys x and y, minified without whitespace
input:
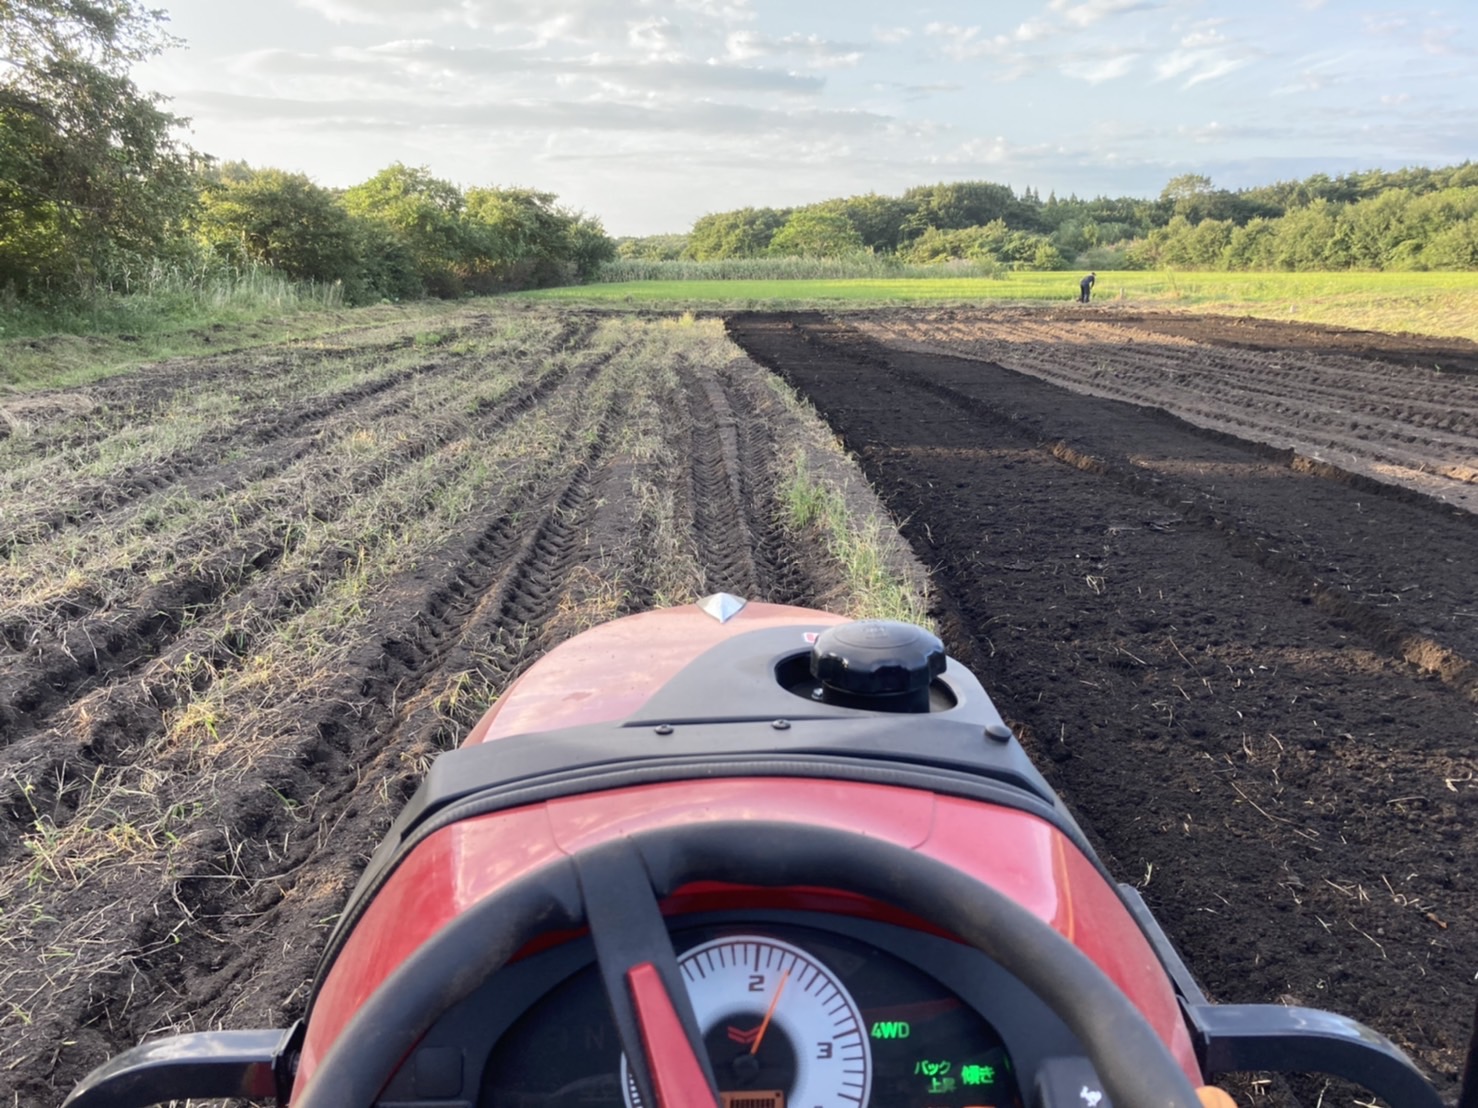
{"x":779,"y":1028}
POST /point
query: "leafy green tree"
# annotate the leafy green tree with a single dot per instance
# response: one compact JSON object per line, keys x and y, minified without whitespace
{"x":1193,"y":197}
{"x":1253,"y":245}
{"x":1373,"y":232}
{"x":985,"y":243}
{"x":652,"y":248}
{"x":959,"y":204}
{"x":877,"y":219}
{"x":745,"y":233}
{"x":590,"y":246}
{"x":425,"y":214}
{"x":816,"y":233}
{"x":1047,"y":256}
{"x":1305,"y":237}
{"x":387,"y":268}
{"x":282,"y":220}
{"x":524,"y":238}
{"x":89,"y":168}
{"x":1454,"y":247}
{"x":519,"y":237}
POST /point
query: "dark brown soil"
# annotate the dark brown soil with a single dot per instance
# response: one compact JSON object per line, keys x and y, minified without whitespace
{"x":1275,"y":336}
{"x":1251,"y":676}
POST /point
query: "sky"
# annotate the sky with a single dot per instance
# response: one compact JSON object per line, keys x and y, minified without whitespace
{"x":651,"y":113}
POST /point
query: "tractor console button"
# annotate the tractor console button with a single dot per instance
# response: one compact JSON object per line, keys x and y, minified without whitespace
{"x":878,"y":664}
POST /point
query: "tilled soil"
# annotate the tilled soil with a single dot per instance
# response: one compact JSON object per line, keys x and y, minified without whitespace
{"x":227,"y":655}
{"x":1400,"y":408}
{"x":1248,"y":669}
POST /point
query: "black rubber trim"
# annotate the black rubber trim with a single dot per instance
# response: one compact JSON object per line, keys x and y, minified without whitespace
{"x":204,"y":1065}
{"x":1137,"y":1069}
{"x":623,"y":775}
{"x":1271,"y":1038}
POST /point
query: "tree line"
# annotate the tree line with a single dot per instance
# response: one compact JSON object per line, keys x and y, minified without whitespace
{"x":94,"y":187}
{"x":1417,"y":218}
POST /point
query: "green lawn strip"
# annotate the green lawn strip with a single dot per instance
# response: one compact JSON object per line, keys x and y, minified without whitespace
{"x":1431,"y":303}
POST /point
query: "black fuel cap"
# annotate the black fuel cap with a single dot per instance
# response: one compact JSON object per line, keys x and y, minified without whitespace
{"x":882,"y":664}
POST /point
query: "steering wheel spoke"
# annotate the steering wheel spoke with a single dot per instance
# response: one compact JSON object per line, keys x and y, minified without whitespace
{"x":637,"y":963}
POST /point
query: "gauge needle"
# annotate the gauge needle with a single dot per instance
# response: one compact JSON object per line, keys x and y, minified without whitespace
{"x":774,"y":1000}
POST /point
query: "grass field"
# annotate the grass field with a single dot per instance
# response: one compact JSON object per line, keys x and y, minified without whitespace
{"x":67,"y":360}
{"x":1428,"y":303}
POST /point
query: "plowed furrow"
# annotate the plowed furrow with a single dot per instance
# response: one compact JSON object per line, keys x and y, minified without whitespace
{"x":778,"y":565}
{"x":720,"y":527}
{"x":1183,"y":646}
{"x":498,"y":583}
{"x":120,"y":719}
{"x":281,"y":479}
{"x":202,"y":465}
{"x":1335,"y":374}
{"x":1197,"y":504}
{"x":1313,"y":403}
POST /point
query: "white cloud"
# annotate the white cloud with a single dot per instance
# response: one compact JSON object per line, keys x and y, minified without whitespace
{"x":965,"y":43}
{"x":812,"y":51}
{"x":1439,"y":40}
{"x":1095,"y":11}
{"x":543,"y":20}
{"x":658,"y":38}
{"x":699,"y":117}
{"x":424,"y":64}
{"x":1200,"y":65}
{"x":1098,"y":70}
{"x":1033,"y":30}
{"x":1318,"y":74}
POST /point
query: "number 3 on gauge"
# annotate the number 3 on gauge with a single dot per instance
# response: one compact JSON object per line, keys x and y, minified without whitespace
{"x":778,"y":1026}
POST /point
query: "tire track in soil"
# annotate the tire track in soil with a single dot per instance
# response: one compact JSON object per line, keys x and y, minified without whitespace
{"x":197,"y":471}
{"x":495,"y":578}
{"x":1289,"y":796}
{"x":116,"y":722}
{"x":781,"y":569}
{"x":499,"y":577}
{"x":228,"y":477}
{"x":464,"y":624}
{"x":200,"y":469}
{"x":721,"y":526}
{"x":89,"y":414}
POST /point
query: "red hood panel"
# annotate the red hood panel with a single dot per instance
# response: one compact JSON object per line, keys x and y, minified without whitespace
{"x":610,"y":671}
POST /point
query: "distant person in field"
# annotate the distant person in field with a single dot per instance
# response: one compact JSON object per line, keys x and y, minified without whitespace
{"x":1085,"y":288}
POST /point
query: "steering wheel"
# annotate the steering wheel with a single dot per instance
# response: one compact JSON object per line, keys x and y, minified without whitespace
{"x":613,"y":888}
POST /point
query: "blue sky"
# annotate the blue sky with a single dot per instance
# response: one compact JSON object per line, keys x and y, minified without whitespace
{"x":649,"y":113}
